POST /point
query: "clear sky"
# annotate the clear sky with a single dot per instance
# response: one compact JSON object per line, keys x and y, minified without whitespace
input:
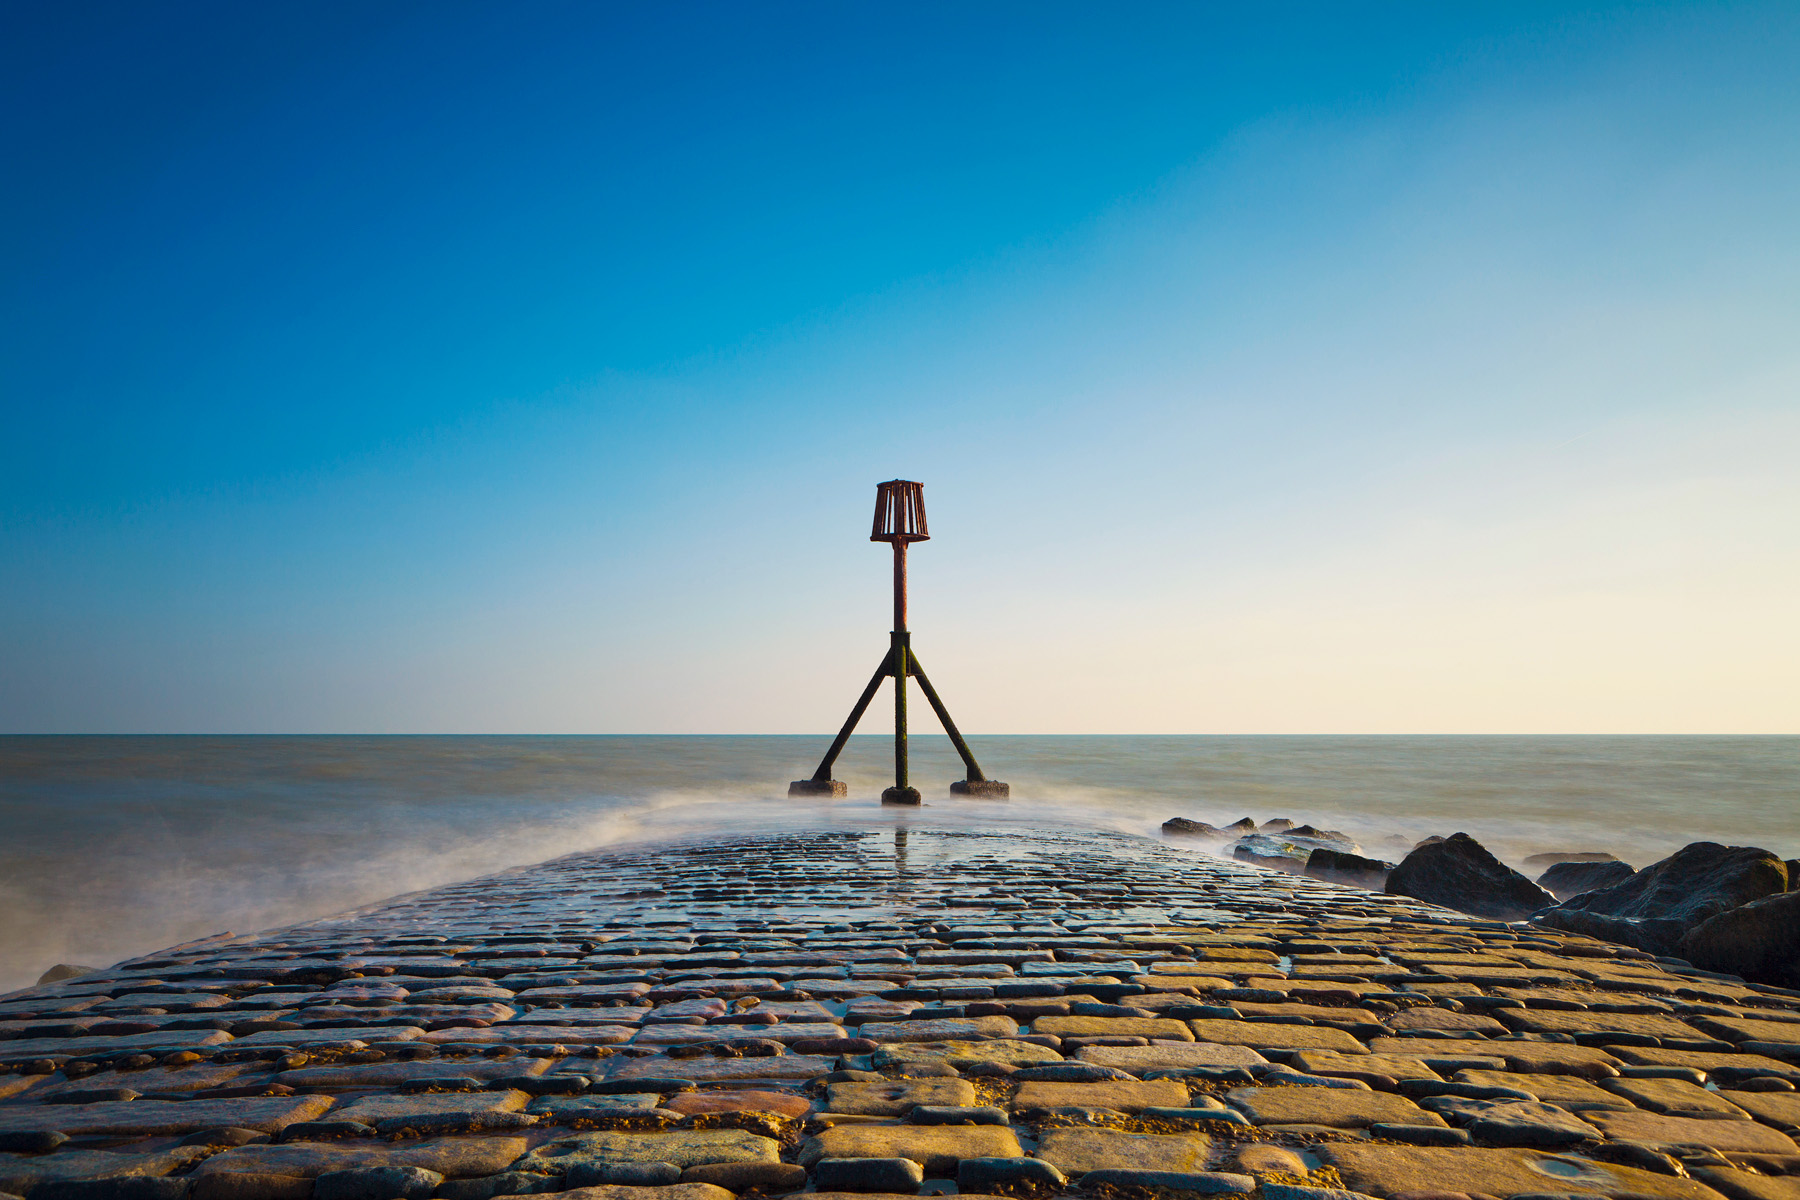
{"x":1335,"y":368}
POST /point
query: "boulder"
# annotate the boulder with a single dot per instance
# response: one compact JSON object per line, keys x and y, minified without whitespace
{"x":1793,"y":866}
{"x":1759,"y":940}
{"x":1656,"y":907}
{"x":1567,"y":879}
{"x":1459,"y":873}
{"x":1242,"y":825}
{"x":1341,"y":866}
{"x":1323,"y":835}
{"x":1275,"y":825}
{"x":1539,"y":861}
{"x":1284,"y":851}
{"x":1182,"y":827}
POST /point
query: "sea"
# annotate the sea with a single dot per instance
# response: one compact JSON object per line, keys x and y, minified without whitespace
{"x":115,"y":846}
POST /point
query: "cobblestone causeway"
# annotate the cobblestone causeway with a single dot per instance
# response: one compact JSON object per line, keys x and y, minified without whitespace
{"x":890,"y":1011}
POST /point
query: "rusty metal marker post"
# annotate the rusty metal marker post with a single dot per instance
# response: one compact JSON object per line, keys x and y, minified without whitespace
{"x":899,"y":521}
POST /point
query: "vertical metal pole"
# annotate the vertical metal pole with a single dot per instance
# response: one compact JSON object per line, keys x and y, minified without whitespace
{"x":902,"y":654}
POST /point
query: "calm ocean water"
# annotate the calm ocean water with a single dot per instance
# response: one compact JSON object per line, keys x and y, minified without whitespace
{"x":111,"y":846}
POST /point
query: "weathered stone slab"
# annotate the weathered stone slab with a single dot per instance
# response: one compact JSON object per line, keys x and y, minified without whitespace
{"x":1284,"y":1037}
{"x":1567,"y":1091}
{"x":157,"y":1117}
{"x":1075,"y":1152}
{"x":1361,"y":1066}
{"x":19,"y":1173}
{"x":17,"y":1049}
{"x":1749,"y":1137}
{"x":936,"y":1029}
{"x":689,"y":1035}
{"x":1339,"y":1108}
{"x":936,"y":1148}
{"x":1679,"y":1098}
{"x":370,"y":1109}
{"x":1708,"y":1061}
{"x":1386,"y":1170}
{"x":785,"y":1104}
{"x":673,"y":1191}
{"x":522,"y":1031}
{"x":348,"y":1076}
{"x":1144,"y":1027}
{"x":963,"y":1054}
{"x":1780,"y":1109}
{"x":779,"y":1066}
{"x":1125,"y":1097}
{"x":898,"y":1097}
{"x":454,"y":1158}
{"x":684,"y":1148}
{"x":1140,"y":1059}
{"x":1539,"y":1020}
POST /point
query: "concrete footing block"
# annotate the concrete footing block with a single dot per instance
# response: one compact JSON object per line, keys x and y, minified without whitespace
{"x":818,"y":787}
{"x":989,"y":789}
{"x":908,"y":795}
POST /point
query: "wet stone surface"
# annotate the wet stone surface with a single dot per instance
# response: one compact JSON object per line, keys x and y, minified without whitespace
{"x":895,"y":1010}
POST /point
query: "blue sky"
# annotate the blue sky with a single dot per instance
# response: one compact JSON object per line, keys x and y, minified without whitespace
{"x":1270,"y":368}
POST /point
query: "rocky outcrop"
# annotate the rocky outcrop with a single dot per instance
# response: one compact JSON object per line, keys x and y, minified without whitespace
{"x":1459,"y":873}
{"x":1656,"y":907}
{"x":1242,"y":825}
{"x":1341,"y":866}
{"x":1575,"y":876}
{"x":1538,"y":862}
{"x":1759,"y":940}
{"x":1182,"y":827}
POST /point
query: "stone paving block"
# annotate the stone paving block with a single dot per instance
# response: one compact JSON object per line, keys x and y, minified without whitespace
{"x":965,"y":1054}
{"x":1727,"y":1136}
{"x":454,"y":1158}
{"x":1387,"y":1170}
{"x":370,"y":1109}
{"x":778,"y":1066}
{"x":1140,"y":1059}
{"x":937,"y":1029}
{"x":1144,"y":1027}
{"x":158,"y":1041}
{"x":1125,"y":1097}
{"x":684,"y":1148}
{"x":525,"y":1031}
{"x":673,"y":1191}
{"x":1743,"y":1185}
{"x":1074,"y":1152}
{"x":1286,"y":1037}
{"x":1566,"y":1091}
{"x":1361,"y":1066}
{"x":898,"y":1097}
{"x":20,"y":1173}
{"x":1708,"y":1061}
{"x":786,"y":1104}
{"x":1543,"y":1058}
{"x":348,"y":1076}
{"x":936,"y":1148}
{"x":1535,"y":1020}
{"x":1338,"y":1108}
{"x":689,"y":1035}
{"x":1444,"y":1019}
{"x":1677,"y":1098}
{"x":1780,"y":1109}
{"x":265,"y":1114}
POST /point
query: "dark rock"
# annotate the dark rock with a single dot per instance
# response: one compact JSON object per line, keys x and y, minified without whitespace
{"x":1006,"y":1176}
{"x":1276,"y":825}
{"x":32,"y":1141}
{"x":626,"y":1174}
{"x":1341,"y":866}
{"x":899,"y":1175}
{"x":1569,"y":879}
{"x":1285,"y":851}
{"x":376,"y":1183}
{"x":1323,"y":835}
{"x":1759,"y":941}
{"x":1071,"y":1072}
{"x":1182,"y":827}
{"x":1655,"y":908}
{"x":324,"y":1131}
{"x":1242,"y":825}
{"x":1539,"y":861}
{"x":1793,"y":869}
{"x":1459,"y":873}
